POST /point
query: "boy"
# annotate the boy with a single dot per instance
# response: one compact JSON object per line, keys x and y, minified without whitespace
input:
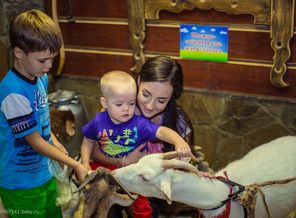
{"x":124,"y":130}
{"x":27,"y":189}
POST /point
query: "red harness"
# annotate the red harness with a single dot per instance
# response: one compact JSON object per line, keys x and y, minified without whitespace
{"x":231,"y":196}
{"x":226,"y":212}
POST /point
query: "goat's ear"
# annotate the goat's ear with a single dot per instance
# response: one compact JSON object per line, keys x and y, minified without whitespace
{"x":147,"y":175}
{"x":165,"y":188}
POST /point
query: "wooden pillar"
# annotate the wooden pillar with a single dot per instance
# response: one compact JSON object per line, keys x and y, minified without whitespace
{"x":282,"y":26}
{"x":137,"y":32}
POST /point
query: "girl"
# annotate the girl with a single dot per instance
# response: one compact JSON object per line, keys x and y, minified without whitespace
{"x":160,"y":83}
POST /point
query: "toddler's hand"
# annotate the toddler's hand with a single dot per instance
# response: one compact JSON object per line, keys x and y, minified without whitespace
{"x":183,"y":150}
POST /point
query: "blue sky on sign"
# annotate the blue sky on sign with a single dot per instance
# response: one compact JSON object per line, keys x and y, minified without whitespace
{"x":206,"y":34}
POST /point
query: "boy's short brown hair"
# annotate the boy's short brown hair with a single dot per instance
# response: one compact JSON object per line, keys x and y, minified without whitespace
{"x":34,"y":31}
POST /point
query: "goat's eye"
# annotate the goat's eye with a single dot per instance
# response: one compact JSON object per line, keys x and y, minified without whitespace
{"x":144,"y":178}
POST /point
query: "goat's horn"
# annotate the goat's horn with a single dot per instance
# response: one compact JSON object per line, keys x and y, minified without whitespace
{"x":92,"y":176}
{"x":122,"y":199}
{"x":194,"y":158}
{"x":177,"y":164}
{"x":169,"y":155}
{"x":173,"y":154}
{"x":118,"y":183}
{"x":197,"y":147}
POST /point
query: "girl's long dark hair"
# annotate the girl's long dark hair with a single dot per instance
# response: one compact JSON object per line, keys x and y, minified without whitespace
{"x":163,"y":68}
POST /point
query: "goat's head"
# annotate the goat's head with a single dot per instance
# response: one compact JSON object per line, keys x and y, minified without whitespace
{"x":101,"y":193}
{"x":151,"y":176}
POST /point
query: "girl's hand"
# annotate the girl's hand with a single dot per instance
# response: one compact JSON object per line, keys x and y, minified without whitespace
{"x":135,"y":155}
{"x":104,"y":141}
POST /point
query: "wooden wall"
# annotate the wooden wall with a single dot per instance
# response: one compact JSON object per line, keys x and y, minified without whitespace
{"x":99,"y":41}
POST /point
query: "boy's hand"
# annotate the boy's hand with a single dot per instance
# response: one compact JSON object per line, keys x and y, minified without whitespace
{"x":81,"y":172}
{"x":61,"y":148}
{"x":56,"y":143}
{"x":87,"y":165}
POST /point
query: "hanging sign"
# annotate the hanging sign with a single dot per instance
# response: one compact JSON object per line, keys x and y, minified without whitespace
{"x":209,"y":43}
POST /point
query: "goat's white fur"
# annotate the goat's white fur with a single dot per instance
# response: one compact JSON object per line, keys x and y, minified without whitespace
{"x":275,"y":160}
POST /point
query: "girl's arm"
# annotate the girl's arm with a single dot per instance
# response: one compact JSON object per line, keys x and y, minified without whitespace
{"x":131,"y":158}
{"x":41,"y":146}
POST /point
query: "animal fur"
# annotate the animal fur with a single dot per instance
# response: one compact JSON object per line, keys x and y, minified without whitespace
{"x":62,"y":124}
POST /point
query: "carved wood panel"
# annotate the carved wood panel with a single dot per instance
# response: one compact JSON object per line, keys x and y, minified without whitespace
{"x":278,"y":14}
{"x":282,"y":23}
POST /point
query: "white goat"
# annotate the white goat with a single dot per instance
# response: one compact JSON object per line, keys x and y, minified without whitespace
{"x":275,"y":160}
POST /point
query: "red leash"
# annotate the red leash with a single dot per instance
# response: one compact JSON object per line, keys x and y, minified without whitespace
{"x":226,"y":212}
